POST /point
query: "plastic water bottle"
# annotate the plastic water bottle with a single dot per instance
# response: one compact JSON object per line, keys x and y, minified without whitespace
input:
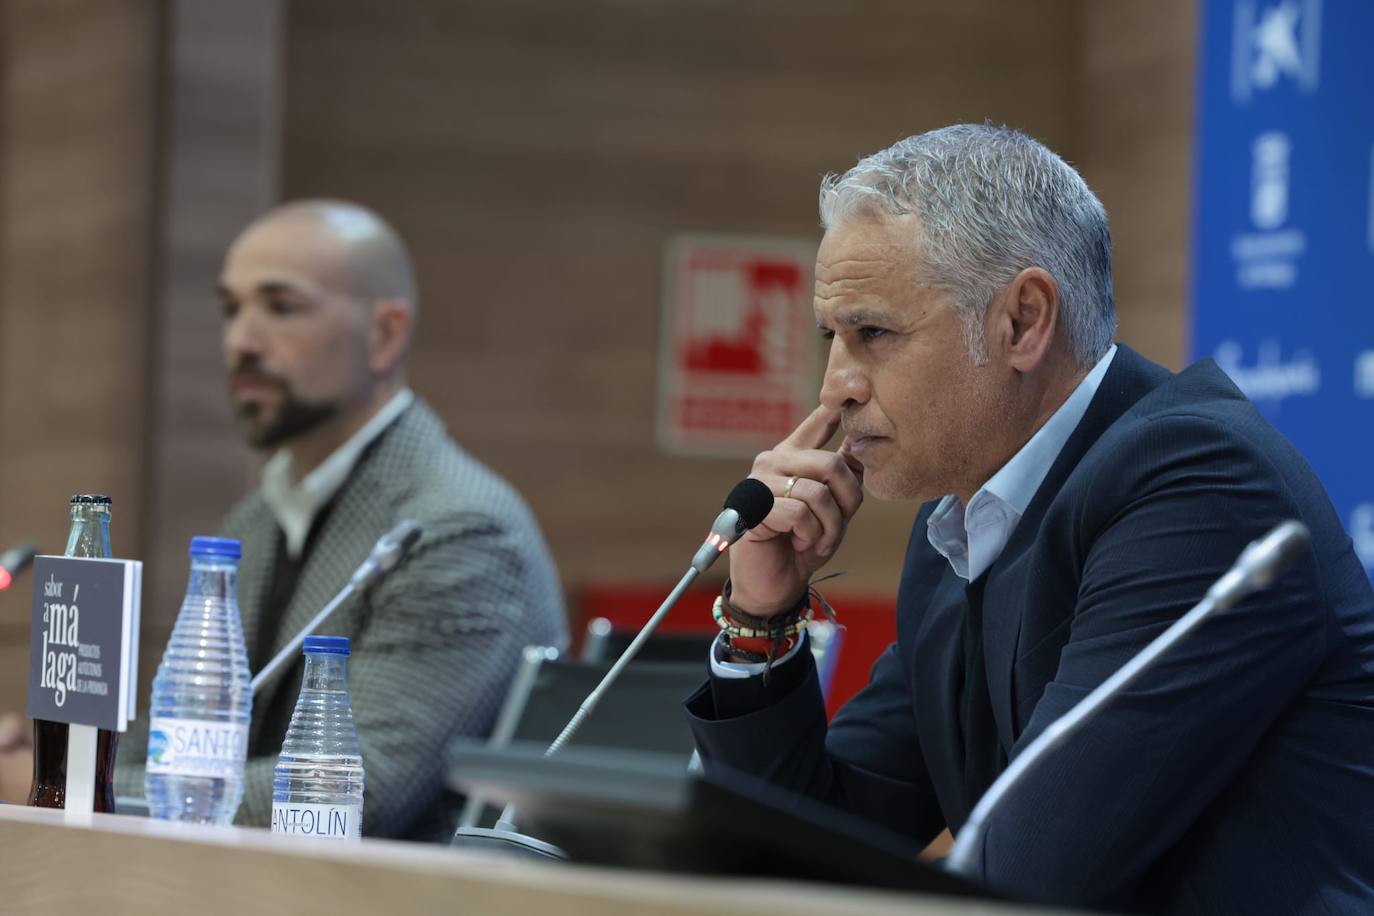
{"x":317,"y":789}
{"x":202,"y":698}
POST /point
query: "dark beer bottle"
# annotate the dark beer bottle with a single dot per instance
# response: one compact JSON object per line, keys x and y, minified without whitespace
{"x":89,"y":537}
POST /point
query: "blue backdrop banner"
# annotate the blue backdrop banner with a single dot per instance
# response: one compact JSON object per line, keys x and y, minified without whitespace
{"x":1283,"y":230}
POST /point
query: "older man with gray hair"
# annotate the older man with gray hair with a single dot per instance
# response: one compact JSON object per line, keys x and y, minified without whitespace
{"x":1078,"y":499}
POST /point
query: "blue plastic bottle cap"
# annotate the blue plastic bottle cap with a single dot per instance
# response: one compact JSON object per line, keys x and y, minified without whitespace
{"x":330,"y":645}
{"x":216,"y":547}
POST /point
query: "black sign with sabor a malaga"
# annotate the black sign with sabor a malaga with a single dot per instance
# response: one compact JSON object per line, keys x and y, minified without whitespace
{"x":83,"y":646}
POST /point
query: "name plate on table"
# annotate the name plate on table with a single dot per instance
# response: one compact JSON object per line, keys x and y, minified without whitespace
{"x":83,"y":648}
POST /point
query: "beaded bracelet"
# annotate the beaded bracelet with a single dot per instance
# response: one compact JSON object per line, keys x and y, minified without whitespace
{"x":737,"y":623}
{"x":765,"y":639}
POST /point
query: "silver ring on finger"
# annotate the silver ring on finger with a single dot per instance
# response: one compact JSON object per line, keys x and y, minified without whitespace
{"x":787,"y":490}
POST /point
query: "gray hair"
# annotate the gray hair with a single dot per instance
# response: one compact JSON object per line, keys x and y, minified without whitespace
{"x":991,"y":202}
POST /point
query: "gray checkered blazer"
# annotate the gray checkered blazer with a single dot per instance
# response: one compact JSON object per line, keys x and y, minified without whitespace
{"x":435,"y":642}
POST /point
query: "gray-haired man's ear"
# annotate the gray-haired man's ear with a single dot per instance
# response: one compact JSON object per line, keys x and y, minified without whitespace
{"x":1025,"y":317}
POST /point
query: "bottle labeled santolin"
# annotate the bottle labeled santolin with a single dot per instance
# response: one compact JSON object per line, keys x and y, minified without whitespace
{"x":89,"y":537}
{"x":317,"y":787}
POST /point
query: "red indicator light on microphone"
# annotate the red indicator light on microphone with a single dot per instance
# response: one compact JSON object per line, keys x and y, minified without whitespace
{"x":5,"y":578}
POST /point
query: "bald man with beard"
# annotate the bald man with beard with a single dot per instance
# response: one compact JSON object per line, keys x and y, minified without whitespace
{"x":319,"y":310}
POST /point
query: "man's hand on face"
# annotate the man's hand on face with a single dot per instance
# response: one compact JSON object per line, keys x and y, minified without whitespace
{"x":772,"y":564}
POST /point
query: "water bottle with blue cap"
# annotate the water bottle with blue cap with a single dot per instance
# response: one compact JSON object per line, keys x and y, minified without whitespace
{"x":317,"y":789}
{"x":202,"y":698}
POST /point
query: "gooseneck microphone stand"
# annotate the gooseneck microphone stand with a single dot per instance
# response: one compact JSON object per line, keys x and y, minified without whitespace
{"x":386,"y":553}
{"x":748,"y":504}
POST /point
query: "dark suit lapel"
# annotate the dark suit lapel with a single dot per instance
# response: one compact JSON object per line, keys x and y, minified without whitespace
{"x":1129,"y":378}
{"x":939,"y":597}
{"x":1003,"y":610}
{"x":334,"y":556}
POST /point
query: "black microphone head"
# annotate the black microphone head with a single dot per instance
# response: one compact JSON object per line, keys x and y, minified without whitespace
{"x":752,"y":500}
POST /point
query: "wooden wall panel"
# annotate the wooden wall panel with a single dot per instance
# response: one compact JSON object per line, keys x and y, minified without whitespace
{"x":221,"y":86}
{"x":1135,"y":91}
{"x":77,"y":93}
{"x":537,"y":155}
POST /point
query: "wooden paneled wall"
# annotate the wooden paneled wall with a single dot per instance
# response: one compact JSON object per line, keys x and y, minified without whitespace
{"x":219,"y":162}
{"x":78,"y":98}
{"x":1134,"y":102}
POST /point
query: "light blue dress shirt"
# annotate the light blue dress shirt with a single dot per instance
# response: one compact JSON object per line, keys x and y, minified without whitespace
{"x":972,"y":538}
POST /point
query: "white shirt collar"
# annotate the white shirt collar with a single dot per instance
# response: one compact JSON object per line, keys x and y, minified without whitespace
{"x":296,"y":505}
{"x":971,"y":538}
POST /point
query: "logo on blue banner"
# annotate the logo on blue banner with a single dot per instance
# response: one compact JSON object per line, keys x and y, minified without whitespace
{"x":1362,"y":532}
{"x":1284,"y":228}
{"x":1273,"y":43}
{"x":1364,"y":374}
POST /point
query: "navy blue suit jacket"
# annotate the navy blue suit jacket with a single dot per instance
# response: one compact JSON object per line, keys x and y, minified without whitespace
{"x":1236,"y":776}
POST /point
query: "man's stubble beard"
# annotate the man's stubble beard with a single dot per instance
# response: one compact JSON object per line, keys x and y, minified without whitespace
{"x":295,"y":418}
{"x":903,"y":482}
{"x":959,"y":460}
